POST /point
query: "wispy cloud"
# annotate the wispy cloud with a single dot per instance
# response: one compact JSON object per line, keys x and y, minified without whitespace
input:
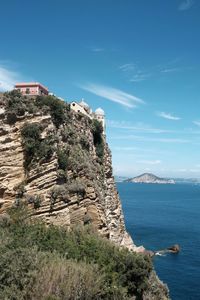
{"x":139,"y":127}
{"x":127,"y":67}
{"x":196,"y":123}
{"x":140,"y":77}
{"x":150,"y":162}
{"x":185,"y":5}
{"x":113,"y":94}
{"x":8,"y":78}
{"x":134,"y":72}
{"x":170,"y":70}
{"x":168,"y":116}
{"x":149,"y":139}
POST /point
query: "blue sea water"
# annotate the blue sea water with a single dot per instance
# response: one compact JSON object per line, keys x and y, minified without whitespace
{"x":158,"y":216}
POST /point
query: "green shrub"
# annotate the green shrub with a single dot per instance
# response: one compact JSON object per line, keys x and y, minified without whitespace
{"x":63,"y":155}
{"x":29,"y":249}
{"x":31,"y":141}
{"x":58,"y":193}
{"x":18,"y":270}
{"x":97,"y":130}
{"x":77,"y":186}
{"x":84,"y":142}
{"x":66,"y":279}
{"x":57,"y":108}
{"x":34,"y":147}
{"x":69,"y":134}
{"x":17,"y":105}
{"x":35,"y":200}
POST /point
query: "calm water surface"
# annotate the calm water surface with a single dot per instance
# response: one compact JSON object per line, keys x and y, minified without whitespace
{"x":158,"y":216}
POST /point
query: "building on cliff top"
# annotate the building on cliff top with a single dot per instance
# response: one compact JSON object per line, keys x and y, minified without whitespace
{"x":37,"y":89}
{"x":84,"y":108}
{"x":32,"y":88}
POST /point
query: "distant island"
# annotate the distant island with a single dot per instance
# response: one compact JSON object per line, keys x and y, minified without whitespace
{"x":150,"y":178}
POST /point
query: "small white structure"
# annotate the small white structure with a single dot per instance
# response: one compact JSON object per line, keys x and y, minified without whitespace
{"x":100,"y":116}
{"x":84,"y":108}
{"x":81,"y":107}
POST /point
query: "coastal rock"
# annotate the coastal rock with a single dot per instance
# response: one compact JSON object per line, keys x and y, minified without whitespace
{"x":72,"y":183}
{"x":100,"y":200}
{"x":174,"y":249}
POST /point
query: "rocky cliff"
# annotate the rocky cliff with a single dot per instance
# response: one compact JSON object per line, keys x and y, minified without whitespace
{"x":59,"y":164}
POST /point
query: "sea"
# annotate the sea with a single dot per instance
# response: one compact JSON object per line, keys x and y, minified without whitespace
{"x":160,"y":215}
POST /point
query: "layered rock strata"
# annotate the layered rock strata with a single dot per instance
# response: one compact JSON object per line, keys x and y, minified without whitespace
{"x":62,"y":170}
{"x":99,"y":203}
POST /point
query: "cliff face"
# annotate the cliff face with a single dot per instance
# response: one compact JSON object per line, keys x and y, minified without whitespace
{"x":70,"y":183}
{"x":59,"y":164}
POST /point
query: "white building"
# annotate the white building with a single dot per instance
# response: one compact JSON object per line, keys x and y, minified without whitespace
{"x":100,"y":116}
{"x":84,"y":108}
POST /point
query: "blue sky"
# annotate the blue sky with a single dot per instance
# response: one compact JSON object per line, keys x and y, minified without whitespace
{"x":137,"y":59}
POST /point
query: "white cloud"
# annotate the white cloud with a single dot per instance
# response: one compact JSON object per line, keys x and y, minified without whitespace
{"x":140,"y":77}
{"x":147,"y":139}
{"x":140,"y":127}
{"x":185,"y":5}
{"x":8,"y":78}
{"x":150,"y":162}
{"x":127,"y":67}
{"x":135,"y":73}
{"x":196,"y":123}
{"x":170,"y":70}
{"x":113,"y":94}
{"x":168,"y":116}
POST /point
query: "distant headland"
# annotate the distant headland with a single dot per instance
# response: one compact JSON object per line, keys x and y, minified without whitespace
{"x":150,"y":178}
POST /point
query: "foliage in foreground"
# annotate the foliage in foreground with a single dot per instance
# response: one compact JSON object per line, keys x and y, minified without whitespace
{"x":39,"y":262}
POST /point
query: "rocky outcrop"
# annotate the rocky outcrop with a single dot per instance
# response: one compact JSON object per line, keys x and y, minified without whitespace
{"x":58,"y":162}
{"x":98,"y":204}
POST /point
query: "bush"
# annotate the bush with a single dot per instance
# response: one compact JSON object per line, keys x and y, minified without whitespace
{"x":69,"y":134}
{"x":31,"y":141}
{"x":97,"y":131}
{"x":17,"y":105}
{"x":57,"y":108}
{"x":34,"y":147}
{"x":51,"y":262}
{"x":35,"y":200}
{"x":58,"y":193}
{"x":63,"y":155}
{"x":66,"y":279}
{"x":77,"y":186}
{"x":84,"y":142}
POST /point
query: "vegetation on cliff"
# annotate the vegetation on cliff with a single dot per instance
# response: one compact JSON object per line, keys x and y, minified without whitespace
{"x":40,"y":262}
{"x":56,"y":162}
